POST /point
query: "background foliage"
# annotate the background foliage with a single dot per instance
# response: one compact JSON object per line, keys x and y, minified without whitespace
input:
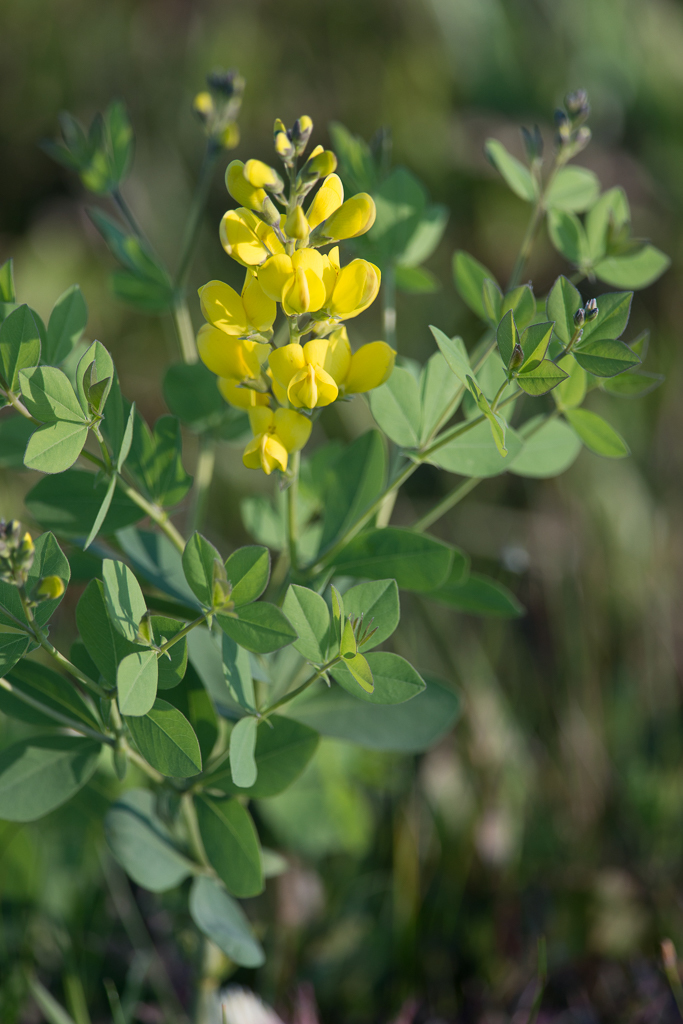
{"x":556,"y":806}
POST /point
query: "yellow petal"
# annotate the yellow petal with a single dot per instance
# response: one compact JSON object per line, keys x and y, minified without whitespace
{"x":353,"y":218}
{"x":251,"y":457}
{"x":241,"y":240}
{"x":296,"y":225}
{"x":223,"y":307}
{"x":267,"y":235}
{"x":292,"y":428}
{"x":285,"y":362}
{"x":370,"y":366}
{"x":329,"y":198}
{"x":260,"y":419}
{"x":278,"y":390}
{"x":265,"y":452}
{"x":261,"y":311}
{"x":330,"y":274}
{"x":260,"y":175}
{"x":308,"y":259}
{"x":312,"y":387}
{"x":296,"y":296}
{"x":240,"y":189}
{"x":240,"y":397}
{"x":275,"y":275}
{"x":315,"y":351}
{"x":338,"y":356}
{"x":357,"y":286}
{"x":224,"y":354}
{"x":333,"y":257}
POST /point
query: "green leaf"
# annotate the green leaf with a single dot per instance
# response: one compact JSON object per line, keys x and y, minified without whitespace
{"x":562,"y":303}
{"x":103,"y":642}
{"x":19,"y":345}
{"x":542,"y":378}
{"x":570,"y":393}
{"x":534,"y":342}
{"x":352,"y":484}
{"x":173,"y":663}
{"x":231,"y":844}
{"x":496,"y":422}
{"x":469,"y":275}
{"x":424,"y":240}
{"x":67,"y":322}
{"x":480,"y":595}
{"x":237,"y":672}
{"x":53,"y":1012}
{"x":574,"y":189}
{"x":338,"y":616}
{"x":597,"y":434}
{"x":125,"y":603}
{"x":154,"y":557}
{"x":120,"y":137}
{"x":406,"y":728}
{"x":614,"y":309}
{"x":242,"y":746}
{"x":39,"y":774}
{"x":14,"y":434}
{"x":568,"y":236}
{"x":55,"y":447}
{"x":360,"y":671}
{"x":94,"y":365}
{"x":142,"y":844}
{"x":438,"y":390}
{"x":396,"y":408}
{"x":48,"y":560}
{"x":507,"y":337}
{"x":474,"y":453}
{"x":155,"y":460}
{"x":167,"y":741}
{"x":191,"y":394}
{"x":261,"y":628}
{"x":522,"y":302}
{"x":136,"y":683}
{"x":400,"y":200}
{"x":248,"y":569}
{"x":69,"y":504}
{"x":395,"y":679}
{"x":46,"y":686}
{"x":548,"y":451}
{"x":415,"y":561}
{"x":632,"y":385}
{"x":13,"y":647}
{"x":415,"y":280}
{"x":348,"y":647}
{"x":192,"y":700}
{"x":223,"y":921}
{"x":517,"y":176}
{"x":635,"y":270}
{"x":104,"y":508}
{"x":128,"y":249}
{"x":455,"y":354}
{"x":378,"y":603}
{"x":142,"y":293}
{"x":608,"y":218}
{"x":605,"y":357}
{"x":7,"y":292}
{"x":48,"y":395}
{"x":283,"y":749}
{"x":308,"y":614}
{"x":492,"y":298}
{"x":199,"y":559}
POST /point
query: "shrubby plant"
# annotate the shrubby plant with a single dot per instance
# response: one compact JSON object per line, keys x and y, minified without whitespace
{"x":214,"y":677}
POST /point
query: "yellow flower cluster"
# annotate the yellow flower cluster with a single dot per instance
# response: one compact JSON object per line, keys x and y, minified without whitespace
{"x":280,"y":250}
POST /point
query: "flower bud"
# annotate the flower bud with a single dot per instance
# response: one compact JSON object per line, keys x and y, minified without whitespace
{"x":203,"y":106}
{"x":260,"y":175}
{"x":583,"y":137}
{"x":229,"y":138}
{"x":579,"y":318}
{"x":49,"y":588}
{"x":241,"y":190}
{"x":591,"y":309}
{"x":145,"y":635}
{"x":296,"y":225}
{"x":533,"y":143}
{"x":228,"y":83}
{"x":517,"y":357}
{"x":353,"y":218}
{"x":320,"y":163}
{"x":283,"y":147}
{"x":577,"y":104}
{"x":301,"y":133}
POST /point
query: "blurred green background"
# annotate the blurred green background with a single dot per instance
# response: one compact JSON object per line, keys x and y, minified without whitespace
{"x":556,"y":808}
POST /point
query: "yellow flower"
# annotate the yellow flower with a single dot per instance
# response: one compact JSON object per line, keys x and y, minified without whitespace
{"x":370,"y":366}
{"x":352,"y":218}
{"x":260,"y":175}
{"x":248,"y":239}
{"x":329,"y":198}
{"x":302,"y":282}
{"x":237,"y":314}
{"x":228,"y":356}
{"x":241,"y":189}
{"x":276,"y":434}
{"x":355,"y":288}
{"x":241,"y":397}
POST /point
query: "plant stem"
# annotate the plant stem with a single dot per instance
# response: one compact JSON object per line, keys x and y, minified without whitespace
{"x":155,"y":513}
{"x":203,"y":476}
{"x":389,"y":306}
{"x":300,"y":689}
{"x":127,"y":214}
{"x":446,"y":503}
{"x":17,"y":404}
{"x":181,"y":633}
{"x":184,"y":329}
{"x":292,"y":511}
{"x":194,"y":219}
{"x":133,"y":756}
{"x":57,"y":716}
{"x":532,"y":227}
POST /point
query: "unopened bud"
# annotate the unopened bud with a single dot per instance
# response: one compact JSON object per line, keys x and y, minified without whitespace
{"x":229,"y":137}
{"x":301,"y":133}
{"x":583,"y":137}
{"x":296,"y":225}
{"x":517,"y":357}
{"x":49,"y":588}
{"x":591,"y":310}
{"x":260,"y":175}
{"x":320,"y":163}
{"x":278,"y":127}
{"x":145,"y":634}
{"x":533,"y":143}
{"x":283,"y":147}
{"x":228,"y":83}
{"x":579,"y":318}
{"x":577,"y":103}
{"x":203,"y":106}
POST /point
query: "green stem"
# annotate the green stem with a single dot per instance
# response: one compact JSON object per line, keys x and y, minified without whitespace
{"x":182,"y":632}
{"x":501,"y":389}
{"x":449,"y":435}
{"x":532,"y":227}
{"x":155,"y":513}
{"x":20,"y":407}
{"x":203,"y":475}
{"x":389,"y":306}
{"x":184,"y":329}
{"x":447,"y":503}
{"x":57,"y":716}
{"x":194,"y":219}
{"x":190,"y":816}
{"x":127,"y":215}
{"x":300,"y":689}
{"x":292,"y":511}
{"x":133,"y":756}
